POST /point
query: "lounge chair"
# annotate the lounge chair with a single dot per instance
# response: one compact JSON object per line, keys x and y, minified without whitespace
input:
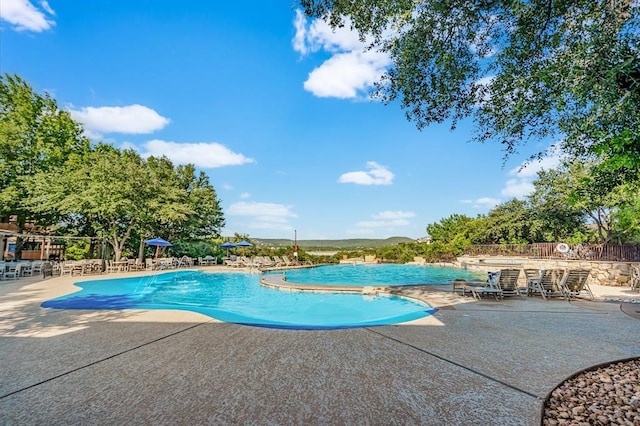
{"x":288,"y":262}
{"x":533,"y":278}
{"x":549,"y":283}
{"x":507,"y":281}
{"x":491,"y":287}
{"x":574,"y":283}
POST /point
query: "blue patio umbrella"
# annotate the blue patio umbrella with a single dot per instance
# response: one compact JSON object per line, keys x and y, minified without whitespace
{"x":243,"y":244}
{"x":158,"y":242}
{"x":227,"y":245}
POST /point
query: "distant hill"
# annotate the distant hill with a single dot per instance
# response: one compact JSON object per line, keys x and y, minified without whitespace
{"x":349,"y":244}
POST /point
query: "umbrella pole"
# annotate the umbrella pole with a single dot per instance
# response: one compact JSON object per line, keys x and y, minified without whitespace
{"x":157,"y":250}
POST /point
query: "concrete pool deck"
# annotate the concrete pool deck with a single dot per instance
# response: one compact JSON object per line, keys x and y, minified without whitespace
{"x":471,"y":363}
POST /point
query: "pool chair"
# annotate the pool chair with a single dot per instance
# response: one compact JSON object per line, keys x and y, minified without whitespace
{"x":533,"y":278}
{"x":574,"y":283}
{"x":549,"y":284}
{"x":490,"y":288}
{"x":507,"y":281}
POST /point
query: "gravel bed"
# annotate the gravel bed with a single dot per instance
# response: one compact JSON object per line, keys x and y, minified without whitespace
{"x":608,"y":395}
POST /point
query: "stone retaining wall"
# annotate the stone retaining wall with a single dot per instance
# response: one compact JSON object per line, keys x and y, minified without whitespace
{"x":602,"y":272}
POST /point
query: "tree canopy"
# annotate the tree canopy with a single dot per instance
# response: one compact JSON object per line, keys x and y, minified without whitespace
{"x":35,"y":136}
{"x":52,"y":176}
{"x":524,"y":70}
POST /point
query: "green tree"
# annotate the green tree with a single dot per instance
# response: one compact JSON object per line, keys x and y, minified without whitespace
{"x":559,"y":219}
{"x":35,"y":137}
{"x":105,"y":185}
{"x":606,"y":199}
{"x":627,"y":217}
{"x":525,"y":70}
{"x":511,"y":222}
{"x":453,"y":227}
{"x":206,"y":218}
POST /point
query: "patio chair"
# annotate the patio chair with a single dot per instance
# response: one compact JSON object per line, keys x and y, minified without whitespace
{"x":36,"y":267}
{"x":507,"y":282}
{"x":574,"y":283}
{"x":25,"y":269}
{"x":549,"y":284}
{"x":533,"y":278}
{"x":12,"y":271}
{"x":491,"y":287}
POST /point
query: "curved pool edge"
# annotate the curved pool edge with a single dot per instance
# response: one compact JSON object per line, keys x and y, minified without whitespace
{"x":279,"y":282}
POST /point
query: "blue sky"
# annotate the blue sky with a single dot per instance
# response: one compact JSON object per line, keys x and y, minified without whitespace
{"x":273,"y":107}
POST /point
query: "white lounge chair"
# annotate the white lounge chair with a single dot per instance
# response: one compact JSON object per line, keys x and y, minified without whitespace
{"x":12,"y":271}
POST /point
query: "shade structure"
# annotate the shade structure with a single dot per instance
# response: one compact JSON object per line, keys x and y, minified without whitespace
{"x":227,"y":245}
{"x":157,"y":242}
{"x":243,"y":244}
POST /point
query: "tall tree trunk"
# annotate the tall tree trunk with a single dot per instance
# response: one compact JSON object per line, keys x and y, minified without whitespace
{"x":141,"y":250}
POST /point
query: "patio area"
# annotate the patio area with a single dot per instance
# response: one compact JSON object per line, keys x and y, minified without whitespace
{"x":472,"y":362}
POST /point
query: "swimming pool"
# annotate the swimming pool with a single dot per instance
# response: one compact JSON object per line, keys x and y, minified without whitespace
{"x":376,"y":274}
{"x":239,"y":298}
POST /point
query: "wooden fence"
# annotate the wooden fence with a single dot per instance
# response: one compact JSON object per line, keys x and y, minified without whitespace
{"x":604,"y":252}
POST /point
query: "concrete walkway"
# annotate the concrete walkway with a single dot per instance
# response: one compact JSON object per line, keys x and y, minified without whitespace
{"x":472,"y":363}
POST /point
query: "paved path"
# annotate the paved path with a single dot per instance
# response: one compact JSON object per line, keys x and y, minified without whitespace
{"x":472,"y":363}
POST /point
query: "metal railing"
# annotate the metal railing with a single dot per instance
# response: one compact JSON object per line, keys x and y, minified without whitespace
{"x":604,"y":252}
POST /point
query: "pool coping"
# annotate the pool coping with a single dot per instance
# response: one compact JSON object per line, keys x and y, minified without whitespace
{"x":280,"y":282}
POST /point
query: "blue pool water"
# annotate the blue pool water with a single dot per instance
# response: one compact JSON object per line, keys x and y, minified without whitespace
{"x":239,"y":298}
{"x":377,"y":274}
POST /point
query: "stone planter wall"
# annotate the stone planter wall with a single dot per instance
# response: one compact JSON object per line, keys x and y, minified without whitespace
{"x":602,"y":272}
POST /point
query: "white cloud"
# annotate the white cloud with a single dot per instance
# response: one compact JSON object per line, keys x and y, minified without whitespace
{"x":203,"y":154}
{"x":531,"y":169}
{"x":351,"y":69}
{"x":521,"y":184}
{"x":131,"y":119}
{"x":484,"y":85}
{"x":346,"y":74}
{"x":264,"y":215}
{"x":517,"y":188}
{"x":299,"y":43}
{"x":24,"y":16}
{"x":318,"y":35}
{"x":377,"y":175}
{"x":483,"y":202}
{"x":245,"y":195}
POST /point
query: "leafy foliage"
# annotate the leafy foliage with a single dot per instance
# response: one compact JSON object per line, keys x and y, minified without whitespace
{"x":525,"y":70}
{"x":35,"y":136}
{"x":51,"y":176}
